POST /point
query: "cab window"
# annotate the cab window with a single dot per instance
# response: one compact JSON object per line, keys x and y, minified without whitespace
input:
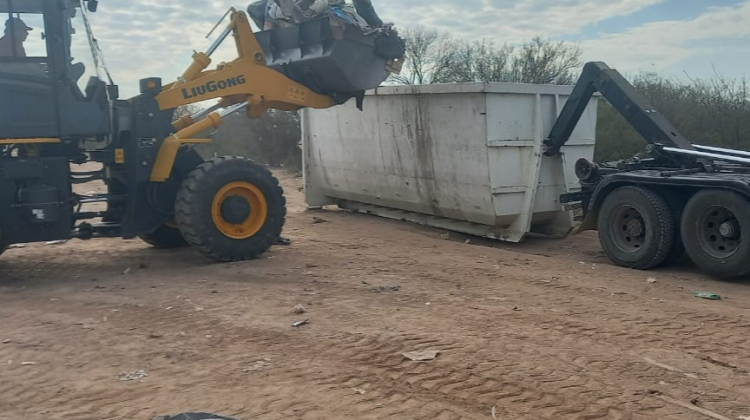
{"x":23,"y":29}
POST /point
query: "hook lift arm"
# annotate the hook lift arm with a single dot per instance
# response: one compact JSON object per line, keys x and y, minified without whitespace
{"x":633,"y":106}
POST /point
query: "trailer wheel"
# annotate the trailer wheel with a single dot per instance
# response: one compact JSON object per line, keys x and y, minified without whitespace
{"x":231,"y":209}
{"x":715,"y":227}
{"x":636,"y":228}
{"x":167,"y":236}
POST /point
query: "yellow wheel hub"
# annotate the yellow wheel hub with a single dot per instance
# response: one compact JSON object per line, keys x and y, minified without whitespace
{"x":239,"y":210}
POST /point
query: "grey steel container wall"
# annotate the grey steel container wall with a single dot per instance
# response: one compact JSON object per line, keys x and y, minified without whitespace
{"x":465,"y":157}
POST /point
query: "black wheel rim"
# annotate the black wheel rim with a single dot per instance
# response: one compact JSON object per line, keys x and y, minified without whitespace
{"x":719,"y":232}
{"x":628,"y":229}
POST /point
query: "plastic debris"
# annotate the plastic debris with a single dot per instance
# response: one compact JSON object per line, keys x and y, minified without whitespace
{"x":56,"y":242}
{"x":298,"y":324}
{"x":283,"y":241}
{"x":651,"y":280}
{"x":421,"y":356}
{"x":135,"y":375}
{"x":17,"y":246}
{"x":707,"y":295}
{"x":359,"y":391}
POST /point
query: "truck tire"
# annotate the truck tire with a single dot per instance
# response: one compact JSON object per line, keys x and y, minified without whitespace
{"x":231,"y":209}
{"x":715,"y":226}
{"x":636,"y":228}
{"x":165,"y":237}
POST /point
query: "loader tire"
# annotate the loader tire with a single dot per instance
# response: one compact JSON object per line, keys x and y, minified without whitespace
{"x":231,"y":209}
{"x":165,"y":237}
{"x":636,"y":228}
{"x":3,"y":247}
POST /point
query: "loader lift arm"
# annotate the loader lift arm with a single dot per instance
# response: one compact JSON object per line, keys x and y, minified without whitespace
{"x":634,"y":107}
{"x":244,"y":83}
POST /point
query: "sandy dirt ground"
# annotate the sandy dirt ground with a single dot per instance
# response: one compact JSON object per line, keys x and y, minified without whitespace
{"x":112,"y":329}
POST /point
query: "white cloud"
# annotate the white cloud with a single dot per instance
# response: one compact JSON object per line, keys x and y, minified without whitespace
{"x":507,"y":21}
{"x":141,"y":39}
{"x":663,"y":45}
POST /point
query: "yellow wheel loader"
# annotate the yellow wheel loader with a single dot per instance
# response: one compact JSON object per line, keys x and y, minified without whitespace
{"x":159,"y":188}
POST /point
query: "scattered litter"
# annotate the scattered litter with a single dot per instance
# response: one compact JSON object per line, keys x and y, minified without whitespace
{"x":196,"y":307}
{"x":6,"y":341}
{"x":692,"y":407}
{"x":381,"y":289}
{"x":28,"y":363}
{"x":707,"y":295}
{"x":446,"y":235}
{"x":651,"y":280}
{"x":209,"y":336}
{"x":17,"y":246}
{"x":494,"y":412}
{"x":298,"y":324}
{"x":155,"y":335}
{"x":135,"y":375}
{"x":299,"y":309}
{"x":127,"y":271}
{"x":311,"y":265}
{"x":421,"y":356}
{"x":56,"y":242}
{"x":467,"y":242}
{"x":317,"y":220}
{"x":670,"y":368}
{"x":359,"y":391}
{"x":258,"y":365}
{"x":516,"y":308}
{"x":283,"y":241}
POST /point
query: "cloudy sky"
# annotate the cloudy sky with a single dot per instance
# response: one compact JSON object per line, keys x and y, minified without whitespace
{"x":141,"y":38}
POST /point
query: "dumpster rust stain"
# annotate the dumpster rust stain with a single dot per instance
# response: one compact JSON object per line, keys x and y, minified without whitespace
{"x":421,"y":136}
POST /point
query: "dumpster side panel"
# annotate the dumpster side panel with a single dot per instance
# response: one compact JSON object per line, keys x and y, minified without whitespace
{"x":420,"y":153}
{"x":466,"y":157}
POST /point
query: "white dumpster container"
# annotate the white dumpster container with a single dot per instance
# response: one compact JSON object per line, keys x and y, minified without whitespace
{"x":462,"y":157}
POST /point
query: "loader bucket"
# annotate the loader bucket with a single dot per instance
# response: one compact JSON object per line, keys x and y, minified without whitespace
{"x":311,"y":55}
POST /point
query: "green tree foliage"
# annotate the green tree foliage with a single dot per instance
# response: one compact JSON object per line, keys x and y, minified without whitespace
{"x":712,"y":112}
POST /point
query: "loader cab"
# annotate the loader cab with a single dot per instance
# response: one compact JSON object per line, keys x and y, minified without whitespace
{"x":48,"y":81}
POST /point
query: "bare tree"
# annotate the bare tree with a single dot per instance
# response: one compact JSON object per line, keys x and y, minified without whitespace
{"x":546,"y":62}
{"x":430,"y":56}
{"x":437,"y":58}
